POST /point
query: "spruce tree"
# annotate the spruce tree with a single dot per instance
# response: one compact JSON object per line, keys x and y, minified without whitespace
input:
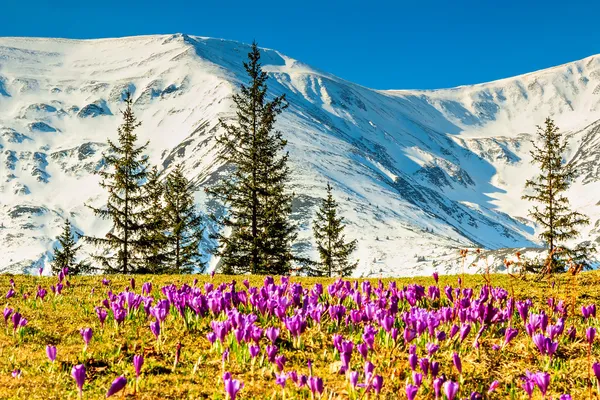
{"x":258,"y":204}
{"x":334,"y":251}
{"x":183,"y":223}
{"x":128,"y":203}
{"x":65,"y":254}
{"x":155,"y":240}
{"x":554,"y":215}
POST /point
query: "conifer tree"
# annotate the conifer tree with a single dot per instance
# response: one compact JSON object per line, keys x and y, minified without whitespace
{"x":155,"y":240}
{"x":334,"y":251}
{"x":558,"y":222}
{"x":64,"y":256}
{"x":183,"y":223}
{"x":128,"y":203}
{"x":258,"y":204}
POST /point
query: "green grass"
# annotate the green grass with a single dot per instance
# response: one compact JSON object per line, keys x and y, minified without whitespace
{"x":57,"y":321}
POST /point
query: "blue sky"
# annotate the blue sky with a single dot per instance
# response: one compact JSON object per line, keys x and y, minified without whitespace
{"x":381,"y":44}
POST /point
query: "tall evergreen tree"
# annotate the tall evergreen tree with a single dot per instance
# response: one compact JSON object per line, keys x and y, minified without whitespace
{"x":183,"y":223}
{"x":334,"y":251}
{"x":558,"y":222}
{"x":65,"y":254}
{"x":258,"y":204}
{"x":155,"y":240}
{"x":128,"y":203}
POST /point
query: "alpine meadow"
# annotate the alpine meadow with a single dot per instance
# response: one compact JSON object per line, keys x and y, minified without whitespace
{"x":183,"y":217}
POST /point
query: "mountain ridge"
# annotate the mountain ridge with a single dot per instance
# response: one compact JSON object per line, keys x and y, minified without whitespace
{"x":432,"y":171}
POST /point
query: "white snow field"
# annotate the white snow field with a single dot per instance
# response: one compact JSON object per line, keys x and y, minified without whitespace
{"x":418,"y":174}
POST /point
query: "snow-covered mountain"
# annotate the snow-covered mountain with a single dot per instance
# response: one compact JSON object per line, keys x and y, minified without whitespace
{"x":418,"y":174}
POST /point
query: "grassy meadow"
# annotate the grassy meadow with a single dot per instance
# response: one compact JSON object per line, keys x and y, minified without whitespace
{"x":308,"y":321}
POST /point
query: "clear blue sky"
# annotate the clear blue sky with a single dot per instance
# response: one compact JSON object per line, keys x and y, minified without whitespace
{"x":384,"y":45}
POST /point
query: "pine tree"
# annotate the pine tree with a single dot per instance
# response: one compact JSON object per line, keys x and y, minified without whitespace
{"x":155,"y":240}
{"x":184,"y":224}
{"x":258,"y":204}
{"x":558,"y":222}
{"x":127,"y":206}
{"x":334,"y":251}
{"x":65,"y":255}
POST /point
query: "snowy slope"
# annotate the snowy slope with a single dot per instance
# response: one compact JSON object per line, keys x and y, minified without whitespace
{"x":419,"y":174}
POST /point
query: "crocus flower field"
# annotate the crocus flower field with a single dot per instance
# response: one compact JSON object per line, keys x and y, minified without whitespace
{"x":224,"y":337}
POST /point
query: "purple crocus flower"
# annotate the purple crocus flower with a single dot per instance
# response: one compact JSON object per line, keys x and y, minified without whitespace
{"x":16,"y":373}
{"x":272,"y":334}
{"x":254,"y":350}
{"x":450,"y":389}
{"x":280,"y":361}
{"x":363,"y":350}
{"x":16,"y":318}
{"x":412,"y":361}
{"x":411,"y":391}
{"x":212,"y":337}
{"x":11,"y":292}
{"x":436,"y":277}
{"x":41,"y":293}
{"x":454,"y":330}
{"x":147,"y":288}
{"x":464,"y":331}
{"x":118,"y":384}
{"x":542,"y":380}
{"x":528,"y":386}
{"x":271,"y":352}
{"x":509,"y":335}
{"x":493,"y":386}
{"x":78,"y":373}
{"x":432,"y":348}
{"x":315,"y":385}
{"x":424,"y":364}
{"x":138,"y":362}
{"x":437,"y":387}
{"x":545,"y":345}
{"x":572,"y":333}
{"x":86,"y":334}
{"x":434,"y":367}
{"x":377,"y":383}
{"x":353,"y":378}
{"x":232,"y":386}
{"x":457,"y":362}
{"x":409,"y":335}
{"x":7,"y":312}
{"x":417,"y":378}
{"x":155,"y":328}
{"x":523,"y":309}
{"x":280,"y":379}
{"x":596,"y":369}
{"x":51,"y":352}
{"x":369,"y":336}
{"x":102,"y":314}
{"x":590,"y":334}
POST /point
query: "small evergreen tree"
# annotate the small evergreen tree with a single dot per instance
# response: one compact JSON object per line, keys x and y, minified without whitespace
{"x":184,"y":224}
{"x":155,"y":240}
{"x":558,"y":222}
{"x":65,"y":254}
{"x":128,"y":202}
{"x":258,"y":205}
{"x":334,"y":251}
